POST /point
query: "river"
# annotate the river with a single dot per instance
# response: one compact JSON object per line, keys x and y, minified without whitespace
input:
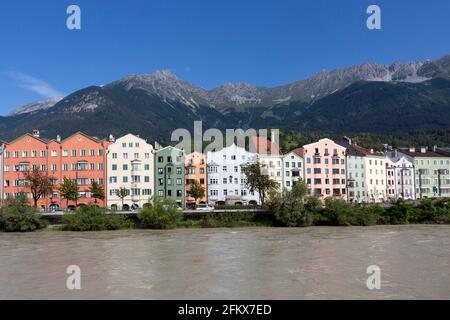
{"x":251,"y":263}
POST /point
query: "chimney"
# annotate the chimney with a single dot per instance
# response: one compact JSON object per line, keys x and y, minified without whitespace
{"x":157,"y":146}
{"x":35,"y":133}
{"x":423,"y":150}
{"x":412,"y":149}
{"x":434,"y":148}
{"x":58,"y":138}
{"x":396,"y":153}
{"x":111,"y":138}
{"x":371,"y":151}
{"x":348,"y":139}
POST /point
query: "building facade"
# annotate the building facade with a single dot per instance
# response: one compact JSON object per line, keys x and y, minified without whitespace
{"x":195,"y":171}
{"x":79,"y":157}
{"x":325,"y":169}
{"x":226,"y":180}
{"x":375,"y":177}
{"x":130,"y":161}
{"x":169,"y":174}
{"x":270,"y":156}
{"x":356,"y":173}
{"x":431,"y":171}
{"x":293,"y":168}
{"x":400,"y":177}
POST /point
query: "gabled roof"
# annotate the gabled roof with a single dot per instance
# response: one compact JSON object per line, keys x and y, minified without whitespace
{"x":298,"y":151}
{"x":83,"y":134}
{"x":29,"y":135}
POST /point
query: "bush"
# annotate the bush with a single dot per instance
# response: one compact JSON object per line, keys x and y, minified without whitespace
{"x":92,"y":218}
{"x":399,"y":213}
{"x":292,"y":208}
{"x":19,"y":216}
{"x":163,"y":214}
{"x":337,"y":212}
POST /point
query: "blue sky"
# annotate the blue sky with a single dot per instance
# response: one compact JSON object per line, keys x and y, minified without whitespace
{"x":206,"y":42}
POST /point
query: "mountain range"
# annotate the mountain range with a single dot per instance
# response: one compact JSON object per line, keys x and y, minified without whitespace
{"x":369,"y":97}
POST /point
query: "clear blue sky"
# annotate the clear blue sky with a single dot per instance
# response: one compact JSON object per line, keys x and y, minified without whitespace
{"x":206,"y":42}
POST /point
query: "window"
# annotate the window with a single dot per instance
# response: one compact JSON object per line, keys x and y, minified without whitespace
{"x":125,"y":179}
{"x":43,"y":153}
{"x":146,"y":167}
{"x":92,"y":152}
{"x":74,"y":153}
{"x":65,"y":153}
{"x":54,"y":153}
{"x":114,"y":155}
{"x":125,"y":167}
{"x":83,"y":152}
{"x":114,"y":167}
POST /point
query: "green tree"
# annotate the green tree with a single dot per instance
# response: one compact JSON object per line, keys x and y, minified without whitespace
{"x":96,"y":191}
{"x":19,"y":216}
{"x":69,"y":190}
{"x":294,"y":208}
{"x":196,"y":191}
{"x":163,"y":214}
{"x":39,"y":183}
{"x":259,"y":181}
{"x":122,"y":194}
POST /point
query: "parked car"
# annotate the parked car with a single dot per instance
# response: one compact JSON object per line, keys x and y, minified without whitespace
{"x":204,"y":207}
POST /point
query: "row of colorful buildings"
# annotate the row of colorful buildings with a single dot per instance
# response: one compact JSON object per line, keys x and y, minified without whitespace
{"x":330,"y":169}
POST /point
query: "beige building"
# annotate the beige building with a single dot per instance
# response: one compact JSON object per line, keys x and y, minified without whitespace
{"x":130,"y":161}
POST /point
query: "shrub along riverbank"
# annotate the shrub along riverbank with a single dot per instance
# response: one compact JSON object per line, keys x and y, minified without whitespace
{"x":293,"y":209}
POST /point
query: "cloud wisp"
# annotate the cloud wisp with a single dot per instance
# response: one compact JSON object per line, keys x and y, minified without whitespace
{"x":35,"y":85}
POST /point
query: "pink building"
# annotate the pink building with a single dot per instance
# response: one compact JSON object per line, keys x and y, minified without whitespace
{"x":325,"y":169}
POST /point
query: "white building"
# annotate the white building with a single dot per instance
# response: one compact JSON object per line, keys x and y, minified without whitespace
{"x":375,"y":177}
{"x":130,"y":161}
{"x":366,"y":174}
{"x":400,"y":177}
{"x":226,"y":181}
{"x":293,"y":168}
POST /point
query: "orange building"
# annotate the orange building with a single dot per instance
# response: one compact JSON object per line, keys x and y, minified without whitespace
{"x":78,"y":157}
{"x":195,"y":170}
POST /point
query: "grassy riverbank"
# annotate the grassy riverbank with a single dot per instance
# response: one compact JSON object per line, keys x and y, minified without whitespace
{"x":19,"y":217}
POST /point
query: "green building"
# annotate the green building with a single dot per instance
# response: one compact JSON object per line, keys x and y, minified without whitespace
{"x":169,"y":174}
{"x":431,"y":170}
{"x":356,"y":179}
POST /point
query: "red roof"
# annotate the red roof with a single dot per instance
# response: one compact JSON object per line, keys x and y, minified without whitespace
{"x":300,"y":152}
